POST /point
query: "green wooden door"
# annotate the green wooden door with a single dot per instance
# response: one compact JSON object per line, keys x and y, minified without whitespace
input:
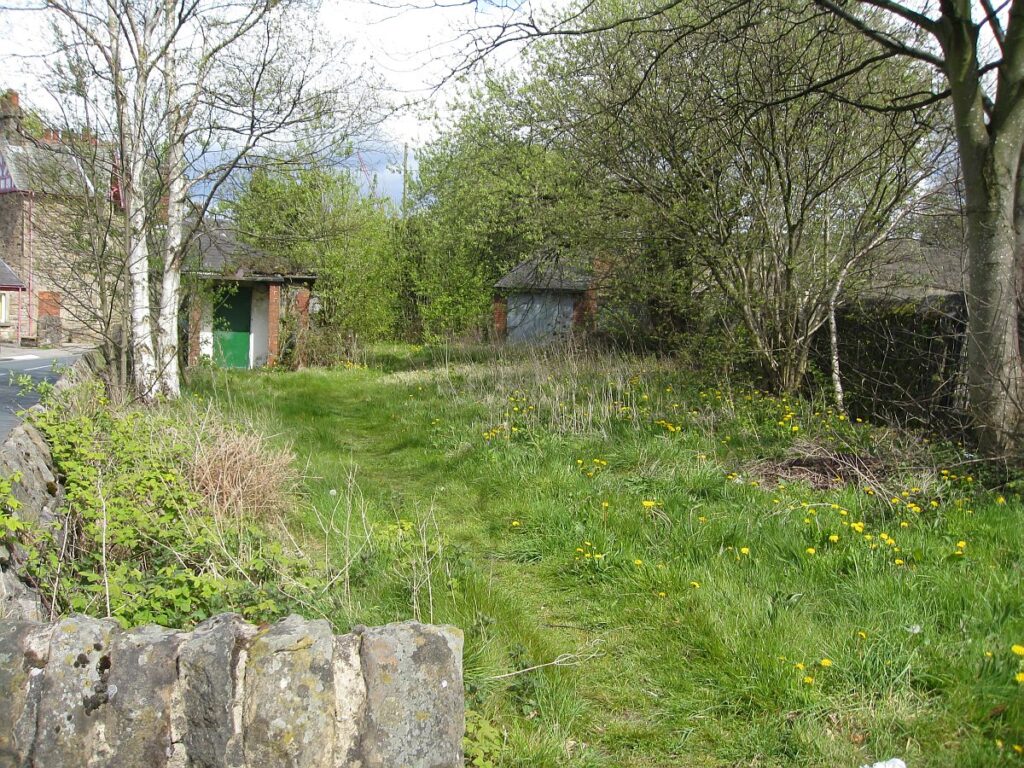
{"x":231,"y":329}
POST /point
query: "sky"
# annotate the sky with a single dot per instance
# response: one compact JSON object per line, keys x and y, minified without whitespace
{"x":411,"y":49}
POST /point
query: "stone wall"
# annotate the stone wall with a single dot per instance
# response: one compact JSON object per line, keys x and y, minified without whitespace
{"x":26,"y":454}
{"x":83,"y":692}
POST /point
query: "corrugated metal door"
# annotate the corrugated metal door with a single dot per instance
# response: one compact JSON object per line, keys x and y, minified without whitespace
{"x":539,"y":316}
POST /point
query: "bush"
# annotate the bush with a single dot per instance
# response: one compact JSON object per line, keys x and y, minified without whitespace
{"x":157,"y":525}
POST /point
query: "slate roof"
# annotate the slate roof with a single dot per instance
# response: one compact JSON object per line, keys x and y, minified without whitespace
{"x":221,"y":255}
{"x":546,"y":272}
{"x":46,"y":169}
{"x":9,"y":281}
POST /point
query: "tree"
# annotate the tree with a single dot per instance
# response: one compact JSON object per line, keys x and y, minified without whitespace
{"x":491,"y":192}
{"x":985,"y":86}
{"x":714,"y":162}
{"x":318,"y":220}
{"x":187,"y":94}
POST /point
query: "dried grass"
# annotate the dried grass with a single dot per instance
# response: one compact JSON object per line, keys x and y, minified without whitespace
{"x":820,"y":467}
{"x":236,"y":468}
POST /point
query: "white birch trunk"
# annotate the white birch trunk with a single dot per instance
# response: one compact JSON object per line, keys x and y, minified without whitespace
{"x":169,"y":378}
{"x":143,"y":356}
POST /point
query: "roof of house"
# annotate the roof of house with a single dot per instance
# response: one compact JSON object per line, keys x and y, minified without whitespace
{"x":546,"y":272}
{"x":8,"y":280}
{"x":222,"y":256}
{"x":44,"y":168}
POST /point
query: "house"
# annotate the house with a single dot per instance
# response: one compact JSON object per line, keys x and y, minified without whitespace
{"x":545,"y":298}
{"x":42,"y":184}
{"x":9,"y":283}
{"x":239,"y":301}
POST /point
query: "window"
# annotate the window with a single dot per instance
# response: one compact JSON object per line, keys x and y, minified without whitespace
{"x":5,"y":308}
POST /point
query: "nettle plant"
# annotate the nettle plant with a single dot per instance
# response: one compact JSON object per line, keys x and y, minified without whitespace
{"x":11,"y":525}
{"x":136,"y":542}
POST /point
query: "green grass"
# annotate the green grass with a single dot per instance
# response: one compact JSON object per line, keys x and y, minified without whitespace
{"x":477,"y":501}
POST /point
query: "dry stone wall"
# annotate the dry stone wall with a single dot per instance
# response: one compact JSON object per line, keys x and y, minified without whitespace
{"x":85,"y":693}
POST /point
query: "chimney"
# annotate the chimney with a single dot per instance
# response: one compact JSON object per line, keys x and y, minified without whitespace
{"x":10,"y":116}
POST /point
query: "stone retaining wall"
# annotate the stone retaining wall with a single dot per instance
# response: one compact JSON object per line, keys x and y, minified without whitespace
{"x":83,"y":693}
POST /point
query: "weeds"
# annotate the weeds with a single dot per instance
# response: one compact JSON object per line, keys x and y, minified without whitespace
{"x":753,"y":610}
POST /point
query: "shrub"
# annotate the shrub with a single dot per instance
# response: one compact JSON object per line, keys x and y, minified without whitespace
{"x":143,"y":536}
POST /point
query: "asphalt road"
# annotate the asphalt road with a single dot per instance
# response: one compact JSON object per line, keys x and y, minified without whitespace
{"x":39,"y":364}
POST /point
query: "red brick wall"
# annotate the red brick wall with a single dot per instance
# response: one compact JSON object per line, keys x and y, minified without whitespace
{"x":500,"y":317}
{"x":585,"y":309}
{"x":302,"y":305}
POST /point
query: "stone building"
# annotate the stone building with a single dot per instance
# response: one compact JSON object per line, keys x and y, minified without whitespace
{"x":42,"y":188}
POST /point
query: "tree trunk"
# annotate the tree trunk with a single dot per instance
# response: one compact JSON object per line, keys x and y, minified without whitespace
{"x":144,"y":367}
{"x":169,"y":383}
{"x":833,"y":340}
{"x":995,"y":375}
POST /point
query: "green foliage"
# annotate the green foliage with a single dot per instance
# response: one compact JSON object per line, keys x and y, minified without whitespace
{"x":11,"y":526}
{"x":137,"y":543}
{"x":482,"y":742}
{"x":489,"y":196}
{"x":317,"y":220}
{"x":478,"y":485}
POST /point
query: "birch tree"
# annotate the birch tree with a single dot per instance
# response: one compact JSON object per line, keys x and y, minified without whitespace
{"x":196,"y":91}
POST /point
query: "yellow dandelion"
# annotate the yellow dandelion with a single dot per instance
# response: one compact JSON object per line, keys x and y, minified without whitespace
{"x":1019,"y":677}
{"x":744,"y":550}
{"x":1000,"y":500}
{"x":898,"y":561}
{"x":834,"y":538}
{"x":1017,"y":649}
{"x":695,"y":584}
{"x":962,"y":544}
{"x":862,"y":635}
{"x":826,"y":662}
{"x":799,"y":665}
{"x":638,"y":562}
{"x":661,"y":594}
{"x":808,"y":680}
{"x":516,"y":523}
{"x":810,"y":550}
{"x":648,"y":503}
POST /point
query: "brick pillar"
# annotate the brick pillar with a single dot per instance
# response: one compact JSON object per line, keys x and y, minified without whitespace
{"x":302,"y":305}
{"x":274,"y":324}
{"x":195,"y":322}
{"x":500,"y":317}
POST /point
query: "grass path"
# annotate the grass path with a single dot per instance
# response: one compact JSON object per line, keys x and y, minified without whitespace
{"x":720,"y":626}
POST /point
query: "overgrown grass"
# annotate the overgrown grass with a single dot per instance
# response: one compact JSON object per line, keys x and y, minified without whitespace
{"x":643,"y":573}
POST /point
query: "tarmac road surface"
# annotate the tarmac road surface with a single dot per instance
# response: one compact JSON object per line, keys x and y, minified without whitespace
{"x":40,"y":365}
